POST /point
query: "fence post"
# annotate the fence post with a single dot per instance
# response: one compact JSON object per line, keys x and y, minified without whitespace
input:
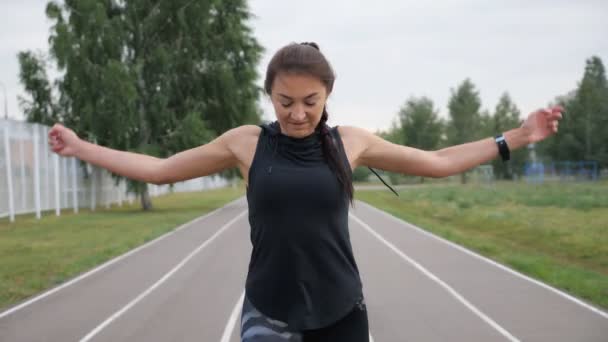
{"x":119,"y":189}
{"x":9,"y":174}
{"x":74,"y":186}
{"x":47,"y":205}
{"x":93,"y":188}
{"x":22,"y":156}
{"x":36,"y":171}
{"x":57,"y":187}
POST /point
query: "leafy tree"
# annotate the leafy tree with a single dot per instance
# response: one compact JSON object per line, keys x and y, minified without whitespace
{"x":153,"y":77}
{"x":465,"y":120}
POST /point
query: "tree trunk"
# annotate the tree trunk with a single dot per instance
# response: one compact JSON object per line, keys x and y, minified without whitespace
{"x":463,"y":178}
{"x":146,"y":203}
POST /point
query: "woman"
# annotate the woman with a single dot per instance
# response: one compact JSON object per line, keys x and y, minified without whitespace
{"x":303,"y":283}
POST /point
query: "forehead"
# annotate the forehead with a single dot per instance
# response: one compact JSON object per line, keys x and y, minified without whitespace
{"x":297,"y":85}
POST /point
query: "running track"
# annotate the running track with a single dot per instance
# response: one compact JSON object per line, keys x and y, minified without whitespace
{"x":188,"y":286}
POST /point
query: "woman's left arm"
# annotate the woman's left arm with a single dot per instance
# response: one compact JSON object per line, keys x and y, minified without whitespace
{"x":385,"y":155}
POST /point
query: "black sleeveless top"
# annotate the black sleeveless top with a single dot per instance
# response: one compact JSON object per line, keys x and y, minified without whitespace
{"x":302,"y":269}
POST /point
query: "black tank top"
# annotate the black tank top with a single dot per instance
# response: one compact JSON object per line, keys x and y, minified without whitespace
{"x":302,"y":269}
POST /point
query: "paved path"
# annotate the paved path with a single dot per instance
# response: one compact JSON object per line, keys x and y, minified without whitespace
{"x":188,"y":286}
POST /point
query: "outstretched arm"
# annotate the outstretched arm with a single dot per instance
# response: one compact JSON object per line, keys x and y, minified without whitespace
{"x":203,"y":160}
{"x":379,"y":153}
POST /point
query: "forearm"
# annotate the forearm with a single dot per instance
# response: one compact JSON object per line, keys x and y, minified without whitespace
{"x":128,"y":164}
{"x":459,"y":158}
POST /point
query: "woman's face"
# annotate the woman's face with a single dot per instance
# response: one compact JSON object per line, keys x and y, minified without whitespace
{"x":298,"y":101}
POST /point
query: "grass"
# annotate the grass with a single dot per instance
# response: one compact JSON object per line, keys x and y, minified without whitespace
{"x":557,"y":233}
{"x":38,"y":254}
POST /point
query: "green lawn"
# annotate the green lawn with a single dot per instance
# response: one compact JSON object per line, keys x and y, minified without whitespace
{"x":557,"y":233}
{"x":38,"y":254}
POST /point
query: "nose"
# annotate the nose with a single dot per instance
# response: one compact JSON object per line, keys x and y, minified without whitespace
{"x":298,"y":113}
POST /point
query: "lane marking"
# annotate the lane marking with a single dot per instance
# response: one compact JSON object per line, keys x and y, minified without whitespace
{"x":133,"y":302}
{"x":232,"y":320}
{"x":436,"y":279}
{"x":109,"y":263}
{"x":492,"y":262}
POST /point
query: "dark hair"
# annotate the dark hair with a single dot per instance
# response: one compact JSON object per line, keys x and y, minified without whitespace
{"x":306,"y":58}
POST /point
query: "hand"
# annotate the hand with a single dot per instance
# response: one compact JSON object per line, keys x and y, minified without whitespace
{"x":542,"y":123}
{"x":63,"y":141}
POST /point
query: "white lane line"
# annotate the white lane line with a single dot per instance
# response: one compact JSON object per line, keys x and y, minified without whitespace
{"x":232,"y":320}
{"x":436,"y":279}
{"x":491,"y":262}
{"x":160,"y":281}
{"x":234,"y":315}
{"x":109,"y":263}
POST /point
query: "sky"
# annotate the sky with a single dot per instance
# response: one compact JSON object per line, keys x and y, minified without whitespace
{"x":385,"y":51}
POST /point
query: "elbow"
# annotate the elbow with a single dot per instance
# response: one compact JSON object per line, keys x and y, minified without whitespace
{"x":158,"y":174}
{"x":441,"y":168}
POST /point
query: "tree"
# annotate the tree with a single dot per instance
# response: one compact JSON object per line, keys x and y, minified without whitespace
{"x":42,"y":107}
{"x":154,"y":77}
{"x":582,"y":132}
{"x":420,"y":126}
{"x":591,"y":105}
{"x":464,"y":123}
{"x":507,"y":116}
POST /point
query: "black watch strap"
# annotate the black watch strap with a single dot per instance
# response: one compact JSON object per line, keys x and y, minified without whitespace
{"x":503,"y":148}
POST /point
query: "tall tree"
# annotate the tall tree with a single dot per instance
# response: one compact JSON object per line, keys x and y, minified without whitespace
{"x":41,"y":108}
{"x":154,"y":77}
{"x":420,"y":125}
{"x":591,"y":104}
{"x":582,"y":131}
{"x":464,"y":123}
{"x":507,"y":116}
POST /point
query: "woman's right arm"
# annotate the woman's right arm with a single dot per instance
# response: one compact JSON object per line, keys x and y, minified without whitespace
{"x":203,"y":160}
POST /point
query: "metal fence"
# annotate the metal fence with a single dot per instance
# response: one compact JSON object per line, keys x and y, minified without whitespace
{"x":33,"y":179}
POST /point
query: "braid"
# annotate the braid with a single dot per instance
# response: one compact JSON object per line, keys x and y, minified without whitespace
{"x":330,"y":151}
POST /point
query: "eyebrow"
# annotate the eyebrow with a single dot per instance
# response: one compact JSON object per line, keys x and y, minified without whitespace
{"x":290,"y":98}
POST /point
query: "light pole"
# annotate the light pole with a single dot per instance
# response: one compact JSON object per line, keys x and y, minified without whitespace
{"x":5,"y":105}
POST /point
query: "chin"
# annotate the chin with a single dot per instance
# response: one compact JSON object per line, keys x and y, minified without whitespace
{"x":302,"y":132}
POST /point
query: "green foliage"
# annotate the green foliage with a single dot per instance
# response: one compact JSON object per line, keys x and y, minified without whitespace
{"x":361,"y":174}
{"x":464,"y":124}
{"x":148,"y":76}
{"x":582,"y":132}
{"x":41,"y":108}
{"x":420,"y":126}
{"x":507,"y":116}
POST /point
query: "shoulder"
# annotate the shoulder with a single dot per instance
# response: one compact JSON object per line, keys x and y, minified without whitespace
{"x":244,"y":131}
{"x":352,"y":134}
{"x":241,"y":134}
{"x":240,"y":137}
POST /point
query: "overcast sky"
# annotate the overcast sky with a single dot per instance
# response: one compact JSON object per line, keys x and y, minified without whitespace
{"x":385,"y":51}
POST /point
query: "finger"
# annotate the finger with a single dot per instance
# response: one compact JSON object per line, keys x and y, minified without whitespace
{"x":557,"y":108}
{"x":545,"y":111}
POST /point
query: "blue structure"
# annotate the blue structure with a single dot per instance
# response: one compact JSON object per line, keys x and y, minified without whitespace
{"x":583,"y":170}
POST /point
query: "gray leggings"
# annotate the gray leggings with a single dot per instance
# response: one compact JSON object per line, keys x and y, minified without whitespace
{"x":255,"y":327}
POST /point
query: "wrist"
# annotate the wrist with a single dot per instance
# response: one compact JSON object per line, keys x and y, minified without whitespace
{"x":517,"y":138}
{"x":80,"y":148}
